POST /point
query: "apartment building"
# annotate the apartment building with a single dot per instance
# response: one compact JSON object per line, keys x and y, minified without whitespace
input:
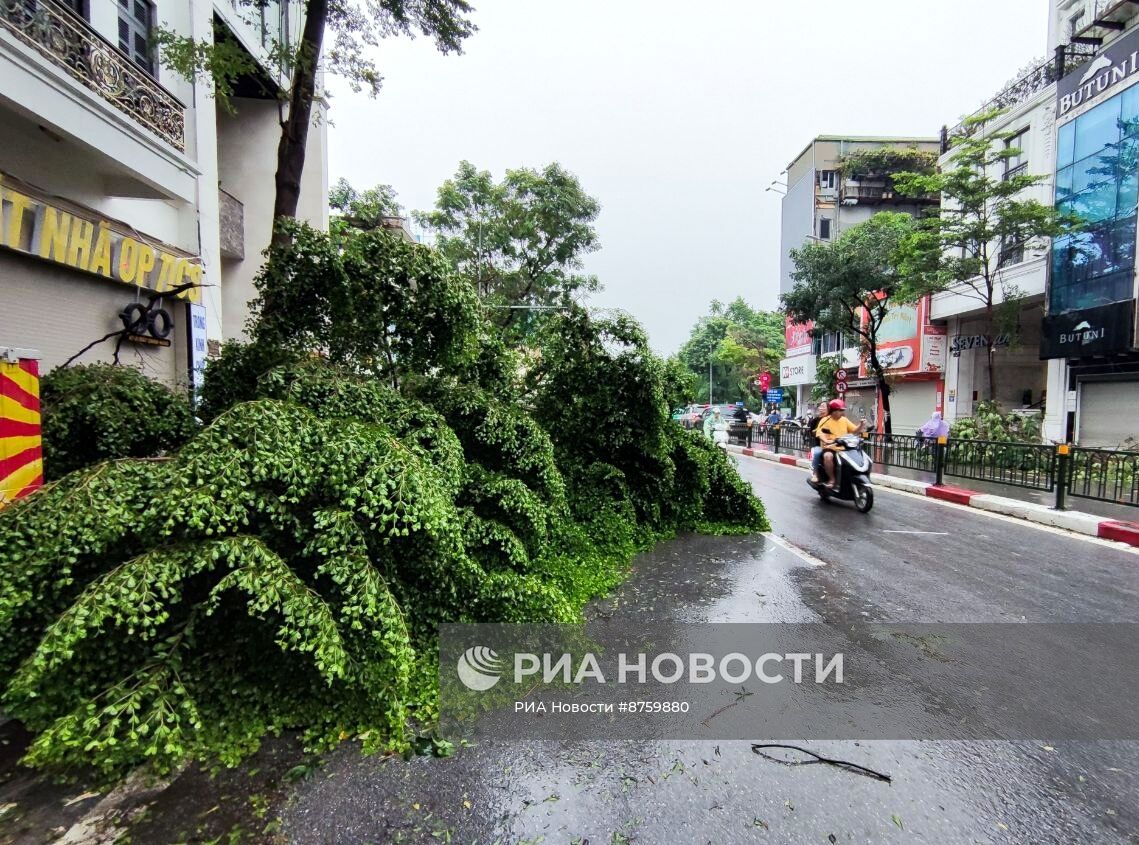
{"x":120,"y":179}
{"x":823,"y":200}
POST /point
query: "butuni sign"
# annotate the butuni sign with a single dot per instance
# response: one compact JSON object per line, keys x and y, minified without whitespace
{"x":78,"y":238}
{"x":1116,"y":66}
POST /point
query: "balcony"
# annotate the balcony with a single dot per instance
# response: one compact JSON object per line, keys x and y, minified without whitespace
{"x":232,"y":216}
{"x":69,"y":43}
{"x":1109,"y":17}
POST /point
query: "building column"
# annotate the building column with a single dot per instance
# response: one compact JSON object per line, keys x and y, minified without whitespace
{"x":206,"y":148}
{"x":1055,"y":427}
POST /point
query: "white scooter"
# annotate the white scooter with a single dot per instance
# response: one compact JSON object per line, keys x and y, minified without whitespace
{"x":852,"y":466}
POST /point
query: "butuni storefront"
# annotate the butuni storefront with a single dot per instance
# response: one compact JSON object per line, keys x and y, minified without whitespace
{"x":1088,"y":334}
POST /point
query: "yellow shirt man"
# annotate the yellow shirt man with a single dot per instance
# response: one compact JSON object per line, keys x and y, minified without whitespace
{"x":832,"y":427}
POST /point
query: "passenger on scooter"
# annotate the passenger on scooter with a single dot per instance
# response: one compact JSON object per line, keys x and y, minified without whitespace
{"x":813,"y":441}
{"x":832,"y":427}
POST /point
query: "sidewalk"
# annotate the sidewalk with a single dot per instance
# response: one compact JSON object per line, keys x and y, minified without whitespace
{"x":1094,"y":525}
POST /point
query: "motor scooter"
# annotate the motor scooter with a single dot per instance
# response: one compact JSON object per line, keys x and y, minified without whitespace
{"x":852,"y":465}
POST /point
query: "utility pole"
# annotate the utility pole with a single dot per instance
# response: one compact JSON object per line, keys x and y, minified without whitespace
{"x":709,"y":381}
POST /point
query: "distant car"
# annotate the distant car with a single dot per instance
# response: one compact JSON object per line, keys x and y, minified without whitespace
{"x":726,"y":411}
{"x":693,"y":416}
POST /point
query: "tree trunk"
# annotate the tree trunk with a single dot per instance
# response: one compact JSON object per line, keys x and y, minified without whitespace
{"x":990,"y":350}
{"x":884,"y":392}
{"x":294,"y":133}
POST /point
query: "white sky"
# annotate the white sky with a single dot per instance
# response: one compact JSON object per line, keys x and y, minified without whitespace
{"x":676,"y":116}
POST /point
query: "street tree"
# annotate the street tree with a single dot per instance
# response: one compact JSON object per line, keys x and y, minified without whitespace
{"x":520,"y":241}
{"x":985,"y":225}
{"x":848,"y":285}
{"x":353,"y":28}
{"x":734,"y":342}
{"x":362,"y":211}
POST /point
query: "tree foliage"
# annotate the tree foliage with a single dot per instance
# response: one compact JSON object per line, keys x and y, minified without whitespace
{"x":848,"y":285}
{"x":739,"y":342}
{"x":886,"y":161}
{"x":363,"y":210}
{"x":288,"y":567}
{"x":356,"y":28}
{"x":985,"y":223}
{"x":520,"y":241}
{"x":100,"y":412}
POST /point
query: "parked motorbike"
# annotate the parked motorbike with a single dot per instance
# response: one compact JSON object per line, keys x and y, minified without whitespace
{"x":852,"y":465}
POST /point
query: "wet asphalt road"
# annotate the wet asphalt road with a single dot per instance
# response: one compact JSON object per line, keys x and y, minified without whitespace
{"x":971,"y":567}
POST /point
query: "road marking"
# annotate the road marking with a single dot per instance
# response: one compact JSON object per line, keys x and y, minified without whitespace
{"x":802,"y":554}
{"x":938,"y":533}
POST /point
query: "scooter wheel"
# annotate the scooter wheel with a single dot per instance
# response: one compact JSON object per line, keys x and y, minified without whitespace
{"x":863,"y":499}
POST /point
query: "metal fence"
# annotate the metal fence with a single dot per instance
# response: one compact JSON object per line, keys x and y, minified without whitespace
{"x":1103,"y":475}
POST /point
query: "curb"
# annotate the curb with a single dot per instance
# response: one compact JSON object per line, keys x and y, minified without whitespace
{"x":1080,"y":523}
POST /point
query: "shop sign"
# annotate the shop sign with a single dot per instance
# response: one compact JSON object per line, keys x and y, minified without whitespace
{"x":798,"y":370}
{"x":1091,"y":331}
{"x":961,"y":342}
{"x":899,"y":345}
{"x":78,"y":237}
{"x":933,"y":349}
{"x":1114,"y":68}
{"x":196,"y":337}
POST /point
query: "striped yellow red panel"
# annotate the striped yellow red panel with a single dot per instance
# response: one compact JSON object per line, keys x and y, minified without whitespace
{"x":21,"y":453}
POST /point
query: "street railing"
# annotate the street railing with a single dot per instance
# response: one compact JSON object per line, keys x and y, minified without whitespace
{"x":1104,"y":475}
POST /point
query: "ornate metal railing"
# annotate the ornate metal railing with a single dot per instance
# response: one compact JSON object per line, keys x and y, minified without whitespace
{"x":72,"y":45}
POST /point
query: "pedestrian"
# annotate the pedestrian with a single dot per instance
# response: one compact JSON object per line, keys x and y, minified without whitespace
{"x":934,"y":428}
{"x":710,"y":423}
{"x":740,"y":413}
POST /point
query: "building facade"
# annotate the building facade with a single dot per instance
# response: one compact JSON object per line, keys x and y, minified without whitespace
{"x":1088,"y":334}
{"x":120,"y":179}
{"x":821,"y":202}
{"x":1020,"y":269}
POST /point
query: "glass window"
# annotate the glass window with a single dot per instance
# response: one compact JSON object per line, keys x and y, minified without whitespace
{"x":1129,"y":119}
{"x":1098,"y":128}
{"x":1017,"y":161}
{"x":135,"y":17}
{"x":1064,"y":184}
{"x":825,"y":228}
{"x":1067,"y":146}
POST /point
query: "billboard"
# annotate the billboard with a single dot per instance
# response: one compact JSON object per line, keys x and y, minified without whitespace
{"x":797,"y":337}
{"x":798,"y":370}
{"x":907,"y":343}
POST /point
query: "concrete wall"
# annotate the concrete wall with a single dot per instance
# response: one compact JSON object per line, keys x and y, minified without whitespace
{"x":797,"y":222}
{"x":246,"y":170}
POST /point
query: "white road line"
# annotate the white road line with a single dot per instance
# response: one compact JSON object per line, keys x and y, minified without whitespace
{"x":803,"y":555}
{"x":938,"y":533}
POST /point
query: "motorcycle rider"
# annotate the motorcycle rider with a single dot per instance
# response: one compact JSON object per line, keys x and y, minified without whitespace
{"x":740,"y":413}
{"x":832,"y":427}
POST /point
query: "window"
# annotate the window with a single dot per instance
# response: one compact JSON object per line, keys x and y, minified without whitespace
{"x":1011,"y":252}
{"x":1017,"y":162}
{"x":825,"y":228}
{"x":826,"y":180}
{"x":1075,"y":22}
{"x":135,"y":19}
{"x":1098,"y":180}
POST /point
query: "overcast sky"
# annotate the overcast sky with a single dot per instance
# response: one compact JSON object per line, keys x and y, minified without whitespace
{"x":676,"y":116}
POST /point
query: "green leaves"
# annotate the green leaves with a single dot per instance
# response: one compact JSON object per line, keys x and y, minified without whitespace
{"x":288,"y":566}
{"x":99,"y":412}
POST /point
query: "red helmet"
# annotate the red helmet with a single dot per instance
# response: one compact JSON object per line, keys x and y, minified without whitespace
{"x":836,"y":405}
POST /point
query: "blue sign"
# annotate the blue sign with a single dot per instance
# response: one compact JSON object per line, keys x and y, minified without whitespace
{"x":775,"y":395}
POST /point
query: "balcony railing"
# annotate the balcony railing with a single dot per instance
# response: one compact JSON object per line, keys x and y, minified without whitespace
{"x":69,"y":43}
